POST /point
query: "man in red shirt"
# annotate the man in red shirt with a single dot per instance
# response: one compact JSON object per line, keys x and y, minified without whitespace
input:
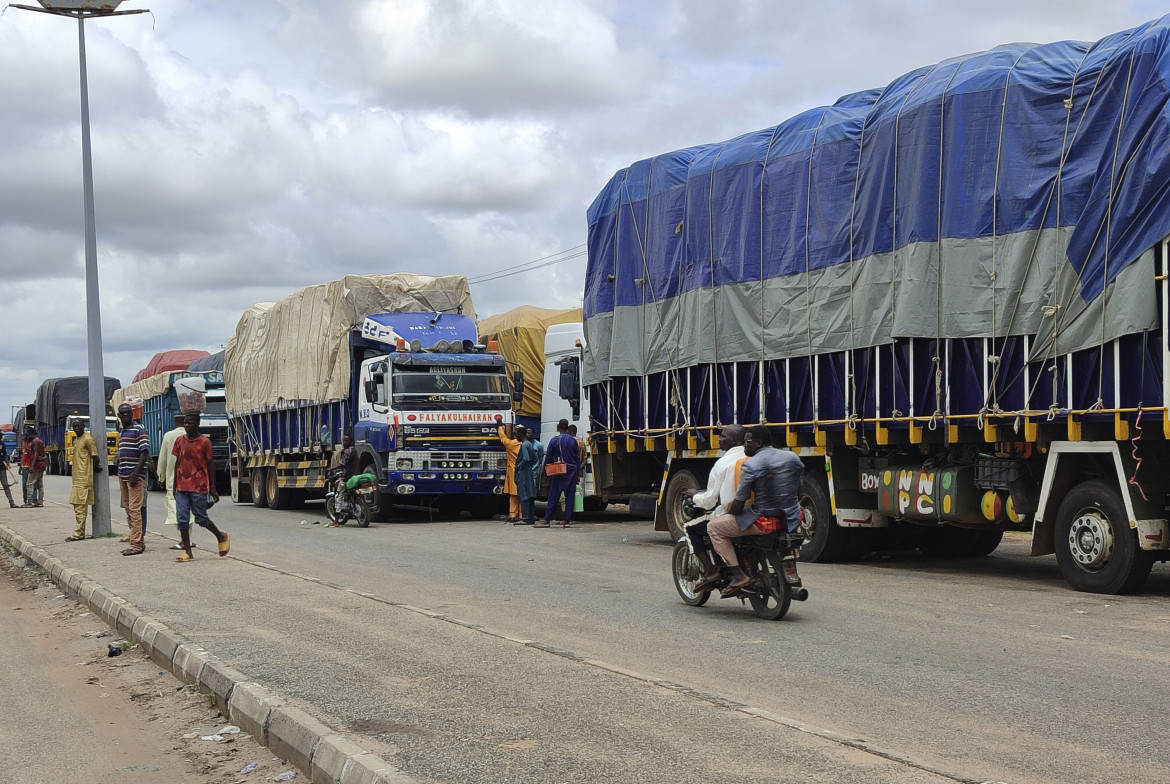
{"x":35,"y":449}
{"x":194,"y":468}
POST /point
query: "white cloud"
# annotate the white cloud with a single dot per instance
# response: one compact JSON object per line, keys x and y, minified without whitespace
{"x":244,"y":149}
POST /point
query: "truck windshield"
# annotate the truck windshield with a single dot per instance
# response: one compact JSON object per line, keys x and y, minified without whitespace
{"x":447,"y":390}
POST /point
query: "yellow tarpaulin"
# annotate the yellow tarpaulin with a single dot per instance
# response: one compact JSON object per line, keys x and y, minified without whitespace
{"x":520,"y":335}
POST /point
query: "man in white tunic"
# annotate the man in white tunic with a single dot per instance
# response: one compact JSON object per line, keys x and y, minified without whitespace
{"x":166,"y":468}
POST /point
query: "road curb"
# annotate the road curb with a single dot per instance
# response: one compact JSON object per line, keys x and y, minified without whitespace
{"x":322,"y":754}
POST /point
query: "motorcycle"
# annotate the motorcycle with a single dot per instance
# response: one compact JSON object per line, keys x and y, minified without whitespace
{"x":769,"y":561}
{"x":350,"y":499}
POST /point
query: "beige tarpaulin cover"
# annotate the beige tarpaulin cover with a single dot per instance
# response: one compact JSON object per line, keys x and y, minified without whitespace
{"x":144,"y":389}
{"x":297,"y":348}
{"x":520,"y":334}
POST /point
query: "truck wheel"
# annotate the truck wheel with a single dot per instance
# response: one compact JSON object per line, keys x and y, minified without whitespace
{"x":1096,"y":549}
{"x":676,"y":521}
{"x":827,"y":542}
{"x":951,"y":542}
{"x":595,"y":504}
{"x":259,"y":487}
{"x":278,"y":497}
{"x":377,"y":498}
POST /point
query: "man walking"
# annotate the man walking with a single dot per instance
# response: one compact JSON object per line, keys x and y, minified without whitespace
{"x":562,"y":449}
{"x":194,"y":470}
{"x":35,"y":448}
{"x":133,"y":451}
{"x":85,"y":465}
{"x":165,"y":468}
{"x":6,"y":473}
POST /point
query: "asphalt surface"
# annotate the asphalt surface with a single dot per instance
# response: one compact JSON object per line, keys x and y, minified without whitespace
{"x":487,"y":652}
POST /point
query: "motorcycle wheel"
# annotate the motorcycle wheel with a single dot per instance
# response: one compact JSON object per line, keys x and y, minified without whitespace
{"x":687,"y":570}
{"x":362,"y":513}
{"x":773,"y":603}
{"x":331,"y":510}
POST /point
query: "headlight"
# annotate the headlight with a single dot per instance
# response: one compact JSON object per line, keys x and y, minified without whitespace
{"x":404,"y":462}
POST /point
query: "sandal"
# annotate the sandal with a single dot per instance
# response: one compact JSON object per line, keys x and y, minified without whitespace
{"x":706,"y":583}
{"x":225,"y":546}
{"x":133,"y":552}
{"x":184,"y":558}
{"x":74,"y":538}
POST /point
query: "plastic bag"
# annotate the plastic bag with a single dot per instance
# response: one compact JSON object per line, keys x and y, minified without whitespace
{"x":192,"y":392}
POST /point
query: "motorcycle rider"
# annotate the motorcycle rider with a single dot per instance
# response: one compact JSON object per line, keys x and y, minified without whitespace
{"x":348,"y":461}
{"x":770,"y":478}
{"x":721,"y":486}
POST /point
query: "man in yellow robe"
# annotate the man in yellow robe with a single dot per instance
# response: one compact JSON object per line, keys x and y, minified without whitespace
{"x":85,"y":463}
{"x":512,"y":445}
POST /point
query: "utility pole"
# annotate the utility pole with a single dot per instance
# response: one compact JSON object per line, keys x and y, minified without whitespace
{"x":82,"y":10}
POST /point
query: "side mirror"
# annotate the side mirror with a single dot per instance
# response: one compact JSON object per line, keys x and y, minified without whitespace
{"x":371,"y":390}
{"x":518,"y":386}
{"x":569,"y":387}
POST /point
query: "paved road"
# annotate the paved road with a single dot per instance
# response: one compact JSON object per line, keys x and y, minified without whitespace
{"x":985,"y":670}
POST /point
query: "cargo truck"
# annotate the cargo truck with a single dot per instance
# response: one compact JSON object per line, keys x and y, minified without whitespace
{"x":160,"y":405}
{"x":949,"y":296}
{"x":392,"y":360}
{"x":57,"y":400}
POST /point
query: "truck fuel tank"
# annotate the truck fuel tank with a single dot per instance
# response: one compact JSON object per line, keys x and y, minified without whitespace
{"x":946,"y":494}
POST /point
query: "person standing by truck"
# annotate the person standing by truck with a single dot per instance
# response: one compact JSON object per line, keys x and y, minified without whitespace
{"x":133,"y":450}
{"x":563,"y":449}
{"x":35,"y":449}
{"x":526,"y":468}
{"x":85,"y":465}
{"x":194,"y":482}
{"x":512,"y":445}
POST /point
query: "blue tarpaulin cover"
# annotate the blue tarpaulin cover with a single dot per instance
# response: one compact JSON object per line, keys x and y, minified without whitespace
{"x":1018,"y":191}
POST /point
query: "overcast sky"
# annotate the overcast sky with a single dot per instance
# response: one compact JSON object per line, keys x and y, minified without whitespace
{"x":245,"y":148}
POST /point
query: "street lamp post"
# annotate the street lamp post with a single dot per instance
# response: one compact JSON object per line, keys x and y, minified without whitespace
{"x":82,"y":10}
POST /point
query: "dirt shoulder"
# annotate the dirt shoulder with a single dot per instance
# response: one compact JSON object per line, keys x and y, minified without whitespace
{"x":74,"y":713}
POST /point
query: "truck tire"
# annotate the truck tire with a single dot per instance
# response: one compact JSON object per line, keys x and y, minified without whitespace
{"x":595,"y":504}
{"x":827,"y":541}
{"x":672,"y":500}
{"x":278,"y":497}
{"x":951,"y":542}
{"x":377,"y":498}
{"x":258,"y":483}
{"x":1096,"y":549}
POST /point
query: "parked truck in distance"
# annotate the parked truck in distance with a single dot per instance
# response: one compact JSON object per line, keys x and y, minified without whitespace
{"x":392,"y":360}
{"x":947,"y":296}
{"x":160,"y":405}
{"x":57,"y":400}
{"x":111,"y":442}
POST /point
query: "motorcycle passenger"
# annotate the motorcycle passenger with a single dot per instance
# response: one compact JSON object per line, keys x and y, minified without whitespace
{"x":770,"y":477}
{"x":721,"y":486}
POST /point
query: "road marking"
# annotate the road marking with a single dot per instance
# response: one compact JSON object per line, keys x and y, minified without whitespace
{"x":858,"y":744}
